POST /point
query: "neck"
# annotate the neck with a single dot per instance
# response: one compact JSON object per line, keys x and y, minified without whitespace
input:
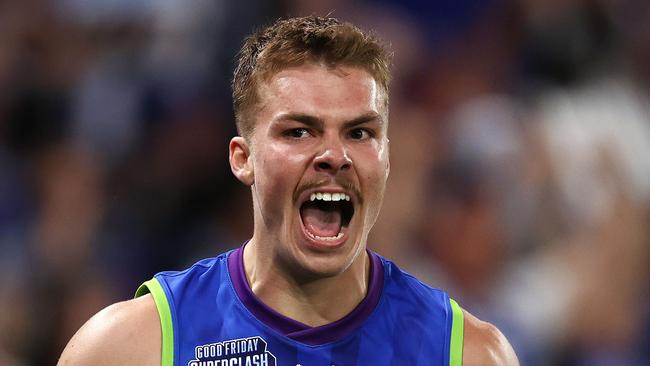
{"x":314,"y":302}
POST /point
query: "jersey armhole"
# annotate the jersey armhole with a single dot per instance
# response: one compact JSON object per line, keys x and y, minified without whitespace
{"x":457,"y":330}
{"x":155,"y":289}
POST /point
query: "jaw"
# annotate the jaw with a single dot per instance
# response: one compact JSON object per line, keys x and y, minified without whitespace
{"x":286,"y":243}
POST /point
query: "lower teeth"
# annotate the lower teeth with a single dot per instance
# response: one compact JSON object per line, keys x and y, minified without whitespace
{"x":326,"y":238}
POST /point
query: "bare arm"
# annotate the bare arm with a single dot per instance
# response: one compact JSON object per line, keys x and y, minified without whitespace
{"x":485,"y":345}
{"x":126,"y":333}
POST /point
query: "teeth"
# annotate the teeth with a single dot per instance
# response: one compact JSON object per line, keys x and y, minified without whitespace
{"x":325,"y":238}
{"x":321,"y":196}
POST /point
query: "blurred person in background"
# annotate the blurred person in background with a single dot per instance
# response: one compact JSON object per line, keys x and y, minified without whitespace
{"x":91,"y":115}
{"x":537,"y":213}
{"x":311,"y":103}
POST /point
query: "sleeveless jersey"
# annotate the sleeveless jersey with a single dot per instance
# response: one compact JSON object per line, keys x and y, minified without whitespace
{"x":210,"y":317}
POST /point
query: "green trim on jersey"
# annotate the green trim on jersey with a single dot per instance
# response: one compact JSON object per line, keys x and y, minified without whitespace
{"x":456,"y":342}
{"x":153,"y":286}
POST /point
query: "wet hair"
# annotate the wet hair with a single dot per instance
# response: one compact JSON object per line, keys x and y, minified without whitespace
{"x":297,"y":41}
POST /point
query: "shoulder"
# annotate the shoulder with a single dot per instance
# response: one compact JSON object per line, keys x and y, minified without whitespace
{"x":485,"y":345}
{"x":126,"y":333}
{"x":404,"y":285}
{"x":205,"y":270}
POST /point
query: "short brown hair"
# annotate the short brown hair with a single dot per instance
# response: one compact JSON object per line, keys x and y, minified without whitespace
{"x":296,"y":41}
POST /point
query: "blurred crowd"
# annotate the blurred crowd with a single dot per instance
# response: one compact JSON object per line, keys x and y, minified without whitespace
{"x":520,"y":160}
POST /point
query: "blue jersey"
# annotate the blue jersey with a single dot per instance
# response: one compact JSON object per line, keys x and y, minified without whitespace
{"x":210,"y":317}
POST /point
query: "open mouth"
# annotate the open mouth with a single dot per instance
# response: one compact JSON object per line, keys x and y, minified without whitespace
{"x":326,"y":216}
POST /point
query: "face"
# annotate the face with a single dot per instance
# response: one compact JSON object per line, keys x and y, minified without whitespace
{"x":318,"y":164}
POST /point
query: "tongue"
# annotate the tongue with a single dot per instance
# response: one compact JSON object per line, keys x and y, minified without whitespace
{"x":323,"y":223}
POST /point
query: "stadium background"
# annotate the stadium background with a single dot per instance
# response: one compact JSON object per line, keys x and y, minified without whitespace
{"x":520,"y":160}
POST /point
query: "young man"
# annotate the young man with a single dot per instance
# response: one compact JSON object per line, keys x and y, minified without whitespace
{"x":311,"y":103}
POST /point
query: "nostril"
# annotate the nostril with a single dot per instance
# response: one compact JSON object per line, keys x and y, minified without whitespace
{"x":324,"y":166}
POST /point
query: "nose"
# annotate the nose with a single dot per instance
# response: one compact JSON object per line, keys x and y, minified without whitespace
{"x":333,"y":158}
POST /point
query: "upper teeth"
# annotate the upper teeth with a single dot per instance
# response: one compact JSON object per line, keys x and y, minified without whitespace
{"x":329,"y":196}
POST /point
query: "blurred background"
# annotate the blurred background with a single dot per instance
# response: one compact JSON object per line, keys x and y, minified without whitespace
{"x":520,"y":160}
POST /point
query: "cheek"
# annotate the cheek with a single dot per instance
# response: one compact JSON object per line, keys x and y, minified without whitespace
{"x":375,"y":169}
{"x":269,"y":175}
{"x":277,"y":172}
{"x":375,"y":166}
{"x":373,"y":182}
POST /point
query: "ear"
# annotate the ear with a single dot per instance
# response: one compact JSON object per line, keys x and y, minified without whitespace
{"x":240,"y":160}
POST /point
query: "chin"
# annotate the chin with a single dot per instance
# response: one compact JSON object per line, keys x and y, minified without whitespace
{"x":314,"y":263}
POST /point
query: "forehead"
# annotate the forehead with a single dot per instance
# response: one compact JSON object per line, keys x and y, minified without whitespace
{"x":325,"y":92}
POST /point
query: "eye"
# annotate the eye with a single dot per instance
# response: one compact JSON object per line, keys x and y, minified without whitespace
{"x":297,"y":133}
{"x":361,"y":134}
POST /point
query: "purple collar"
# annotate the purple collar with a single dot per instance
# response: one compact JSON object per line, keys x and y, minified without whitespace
{"x":294,"y":329}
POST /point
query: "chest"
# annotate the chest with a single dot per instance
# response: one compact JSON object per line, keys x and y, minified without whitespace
{"x":231,"y":336}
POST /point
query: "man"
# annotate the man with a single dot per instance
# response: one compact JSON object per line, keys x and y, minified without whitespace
{"x":311,"y":103}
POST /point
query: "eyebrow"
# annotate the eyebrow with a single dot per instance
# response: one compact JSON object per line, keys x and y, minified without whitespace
{"x":365,"y":118}
{"x":315,"y":122}
{"x":306,"y":119}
